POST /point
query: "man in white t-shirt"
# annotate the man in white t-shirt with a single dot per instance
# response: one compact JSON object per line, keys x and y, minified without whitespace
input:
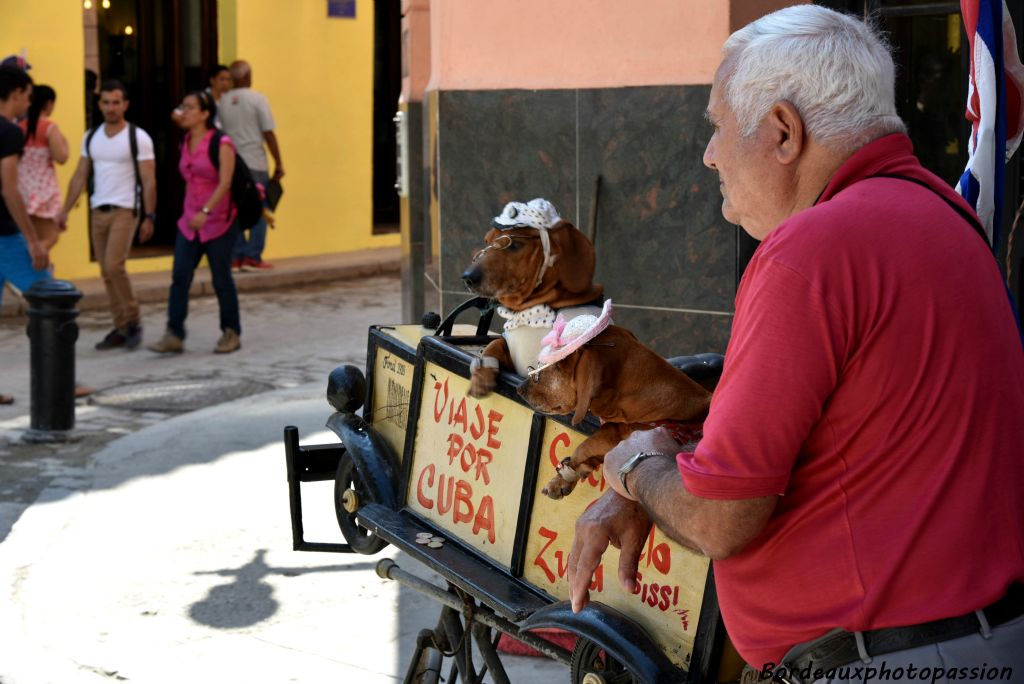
{"x":122,"y":199}
{"x":245,"y":116}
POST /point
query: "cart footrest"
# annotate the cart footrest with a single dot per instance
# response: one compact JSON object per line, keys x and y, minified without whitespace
{"x":507,"y":596}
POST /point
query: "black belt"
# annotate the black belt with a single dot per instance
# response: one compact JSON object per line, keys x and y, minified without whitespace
{"x":841,"y":647}
{"x":110,"y":207}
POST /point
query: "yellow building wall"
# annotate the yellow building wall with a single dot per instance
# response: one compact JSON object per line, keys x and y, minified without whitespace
{"x":51,"y":34}
{"x":318,"y":75}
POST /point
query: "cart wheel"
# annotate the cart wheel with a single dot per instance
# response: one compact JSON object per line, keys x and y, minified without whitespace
{"x":592,"y":665}
{"x":428,"y":669}
{"x":348,"y":490}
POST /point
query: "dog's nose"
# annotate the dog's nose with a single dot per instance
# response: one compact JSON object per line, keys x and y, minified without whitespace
{"x":472,"y":277}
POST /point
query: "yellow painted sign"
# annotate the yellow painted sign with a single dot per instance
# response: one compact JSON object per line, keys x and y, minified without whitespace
{"x":392,"y":389}
{"x":671,"y":579}
{"x":468,"y":463}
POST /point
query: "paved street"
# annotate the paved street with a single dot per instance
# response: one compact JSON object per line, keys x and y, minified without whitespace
{"x":157,"y":547}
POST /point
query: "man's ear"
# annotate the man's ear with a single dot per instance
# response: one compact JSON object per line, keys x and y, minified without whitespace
{"x":586,"y":378}
{"x":787,"y":127}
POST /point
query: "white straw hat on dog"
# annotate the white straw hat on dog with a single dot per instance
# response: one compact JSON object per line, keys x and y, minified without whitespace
{"x":569,"y":335}
{"x":537,"y":213}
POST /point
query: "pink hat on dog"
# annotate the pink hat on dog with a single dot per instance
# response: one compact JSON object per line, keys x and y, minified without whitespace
{"x":568,"y":336}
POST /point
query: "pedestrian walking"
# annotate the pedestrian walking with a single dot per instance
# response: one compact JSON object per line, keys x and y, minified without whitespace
{"x":246,"y":117}
{"x":206,"y":226}
{"x":118,"y":156}
{"x":45,"y":146}
{"x":24,"y":258}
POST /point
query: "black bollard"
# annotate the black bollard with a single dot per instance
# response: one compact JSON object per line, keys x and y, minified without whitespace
{"x":53,"y":332}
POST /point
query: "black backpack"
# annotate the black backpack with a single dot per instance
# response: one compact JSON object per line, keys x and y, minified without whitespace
{"x":244,"y":193}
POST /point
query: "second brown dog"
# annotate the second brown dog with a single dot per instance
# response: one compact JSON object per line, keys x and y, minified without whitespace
{"x":625,"y":384}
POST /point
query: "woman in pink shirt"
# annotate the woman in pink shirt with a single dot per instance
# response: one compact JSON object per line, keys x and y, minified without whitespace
{"x":207,"y":226}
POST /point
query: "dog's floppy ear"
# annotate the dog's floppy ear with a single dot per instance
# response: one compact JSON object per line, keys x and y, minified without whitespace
{"x":576,"y":254}
{"x":587,"y":379}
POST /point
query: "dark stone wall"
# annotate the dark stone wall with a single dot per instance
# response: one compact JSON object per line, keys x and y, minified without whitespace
{"x":665,"y":254}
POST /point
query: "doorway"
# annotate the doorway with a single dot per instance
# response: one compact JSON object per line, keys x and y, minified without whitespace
{"x":160,"y":50}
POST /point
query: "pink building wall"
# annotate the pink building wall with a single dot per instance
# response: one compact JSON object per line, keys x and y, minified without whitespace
{"x":548,"y":44}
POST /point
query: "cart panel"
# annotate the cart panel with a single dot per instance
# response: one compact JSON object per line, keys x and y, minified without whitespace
{"x":392,"y":387}
{"x":671,"y":581}
{"x":468,"y":465}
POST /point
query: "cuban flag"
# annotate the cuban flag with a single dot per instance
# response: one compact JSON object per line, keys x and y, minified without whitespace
{"x":994,"y":95}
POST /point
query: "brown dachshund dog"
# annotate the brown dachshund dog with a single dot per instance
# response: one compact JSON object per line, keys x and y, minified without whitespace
{"x":622,"y":382}
{"x":523,"y":271}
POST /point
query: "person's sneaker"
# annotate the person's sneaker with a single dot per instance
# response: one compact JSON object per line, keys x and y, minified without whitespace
{"x":133,"y":336}
{"x":114,"y":340}
{"x":236,"y":265}
{"x":250,"y":265}
{"x":168,"y":344}
{"x":228,"y":342}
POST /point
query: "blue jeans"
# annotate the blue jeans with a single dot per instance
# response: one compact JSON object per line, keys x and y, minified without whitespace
{"x":187,"y":254}
{"x":16,"y":264}
{"x":252,"y":247}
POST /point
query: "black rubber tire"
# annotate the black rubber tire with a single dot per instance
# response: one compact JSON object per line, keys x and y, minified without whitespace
{"x":358,"y":537}
{"x":588,"y":657}
{"x":428,"y":669}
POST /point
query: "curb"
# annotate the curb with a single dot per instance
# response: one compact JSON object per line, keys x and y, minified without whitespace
{"x":153,"y":287}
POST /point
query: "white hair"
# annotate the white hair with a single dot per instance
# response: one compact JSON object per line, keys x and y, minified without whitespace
{"x":834,"y":68}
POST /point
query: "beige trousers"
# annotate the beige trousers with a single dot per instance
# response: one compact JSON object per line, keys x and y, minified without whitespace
{"x":112,"y":235}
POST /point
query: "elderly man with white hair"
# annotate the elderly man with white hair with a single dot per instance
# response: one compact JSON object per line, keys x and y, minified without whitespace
{"x":859,"y":485}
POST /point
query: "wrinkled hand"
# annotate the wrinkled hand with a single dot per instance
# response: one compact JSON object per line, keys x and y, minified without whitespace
{"x":145,"y":230}
{"x":40,"y":255}
{"x":659,"y":440}
{"x":278,"y":173}
{"x":613,"y":520}
{"x":197,"y":221}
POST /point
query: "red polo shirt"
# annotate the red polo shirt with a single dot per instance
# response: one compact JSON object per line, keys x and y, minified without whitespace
{"x":875,"y":379}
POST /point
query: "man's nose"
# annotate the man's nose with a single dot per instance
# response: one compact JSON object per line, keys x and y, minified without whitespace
{"x":709,"y":155}
{"x":472,"y":276}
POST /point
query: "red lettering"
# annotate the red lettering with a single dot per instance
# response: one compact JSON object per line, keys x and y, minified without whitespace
{"x":444,"y":495}
{"x":438,"y":388}
{"x":485,"y":518}
{"x":454,"y":447}
{"x":598,"y":583}
{"x":493,"y":418}
{"x":465,"y":464}
{"x":420,"y":496}
{"x":483,"y":457}
{"x":666,"y":592}
{"x":460,"y":415}
{"x":539,"y":561}
{"x":561,"y":438}
{"x":658,"y":554}
{"x":463,"y":506}
{"x":477,"y":428}
{"x":684,"y":617}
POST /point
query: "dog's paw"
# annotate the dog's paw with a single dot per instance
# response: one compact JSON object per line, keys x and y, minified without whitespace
{"x":482,"y":382}
{"x":558,"y":488}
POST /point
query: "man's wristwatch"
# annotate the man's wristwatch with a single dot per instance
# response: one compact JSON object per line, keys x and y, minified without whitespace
{"x":205,"y":210}
{"x":627,"y":467}
{"x":151,"y":216}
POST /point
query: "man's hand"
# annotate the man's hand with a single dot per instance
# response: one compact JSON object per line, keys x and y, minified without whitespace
{"x":278,"y":173}
{"x":659,"y":441}
{"x":146,"y":230}
{"x":613,"y":520}
{"x":40,"y":255}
